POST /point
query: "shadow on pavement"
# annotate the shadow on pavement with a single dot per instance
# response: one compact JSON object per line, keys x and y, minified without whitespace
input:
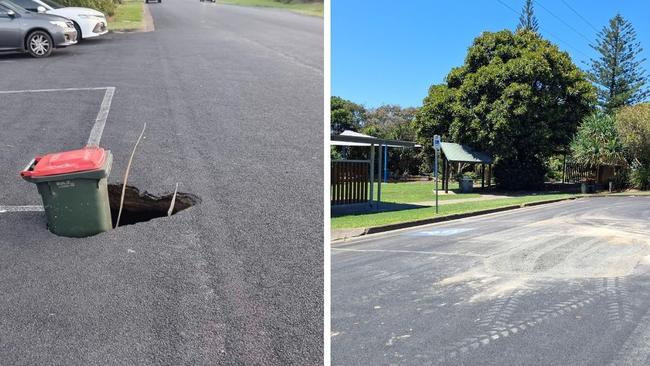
{"x":365,"y":208}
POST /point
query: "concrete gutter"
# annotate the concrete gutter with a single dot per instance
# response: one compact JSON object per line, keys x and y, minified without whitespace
{"x":352,"y":233}
{"x":147,"y":20}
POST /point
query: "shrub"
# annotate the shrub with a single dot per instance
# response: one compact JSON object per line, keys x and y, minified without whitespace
{"x":298,"y":1}
{"x":555,"y":168}
{"x":640,"y":177}
{"x":633,"y":126}
{"x":621,"y":180}
{"x":105,"y":6}
{"x":597,"y":142}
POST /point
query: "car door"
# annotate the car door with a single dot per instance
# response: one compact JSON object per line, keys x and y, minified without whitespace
{"x":10,"y":30}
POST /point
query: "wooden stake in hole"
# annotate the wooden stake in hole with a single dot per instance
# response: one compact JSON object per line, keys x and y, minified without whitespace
{"x":171,"y":207}
{"x":126,"y":176}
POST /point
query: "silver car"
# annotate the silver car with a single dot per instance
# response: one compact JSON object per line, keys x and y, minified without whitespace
{"x":36,"y":34}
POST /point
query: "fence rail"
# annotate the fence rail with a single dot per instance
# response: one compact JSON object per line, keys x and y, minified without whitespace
{"x":574,"y":173}
{"x":350,"y":181}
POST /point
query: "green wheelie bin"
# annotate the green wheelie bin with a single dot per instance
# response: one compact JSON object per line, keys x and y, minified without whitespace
{"x":73,"y":187}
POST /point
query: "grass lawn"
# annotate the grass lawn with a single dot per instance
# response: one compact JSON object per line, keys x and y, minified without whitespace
{"x":128,"y":16}
{"x":394,"y":217}
{"x":632,"y":193}
{"x":418,"y":192}
{"x":313,"y":9}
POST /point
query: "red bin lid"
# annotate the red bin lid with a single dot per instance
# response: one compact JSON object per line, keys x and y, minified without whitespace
{"x":86,"y":159}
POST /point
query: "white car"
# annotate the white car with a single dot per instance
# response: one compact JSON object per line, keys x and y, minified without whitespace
{"x":88,"y":22}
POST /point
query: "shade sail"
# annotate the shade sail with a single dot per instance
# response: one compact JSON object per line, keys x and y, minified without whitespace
{"x":464,"y":154}
{"x":351,"y":138}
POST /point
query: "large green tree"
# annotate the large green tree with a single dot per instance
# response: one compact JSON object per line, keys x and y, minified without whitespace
{"x":527,"y":19}
{"x":396,"y":123}
{"x":618,"y":70}
{"x":345,"y":115}
{"x":517,"y":96}
{"x":390,"y":122}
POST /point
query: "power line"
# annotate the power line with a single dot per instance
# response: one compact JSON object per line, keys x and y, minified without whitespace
{"x":580,"y":16}
{"x":562,"y":20}
{"x":547,"y":32}
{"x":508,"y":6}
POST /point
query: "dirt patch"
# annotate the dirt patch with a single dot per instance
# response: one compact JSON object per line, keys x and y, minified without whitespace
{"x":561,"y":248}
{"x":143,"y":206}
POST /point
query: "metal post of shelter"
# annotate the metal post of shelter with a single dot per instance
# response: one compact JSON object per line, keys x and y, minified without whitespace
{"x":482,"y":175}
{"x":380,"y":170}
{"x":385,"y":163}
{"x":372,"y":173}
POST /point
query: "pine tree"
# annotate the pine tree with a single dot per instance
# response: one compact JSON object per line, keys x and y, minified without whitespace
{"x":618,"y":72}
{"x":527,"y":19}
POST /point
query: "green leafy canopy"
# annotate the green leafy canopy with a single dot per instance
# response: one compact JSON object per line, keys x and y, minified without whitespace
{"x":517,"y":96}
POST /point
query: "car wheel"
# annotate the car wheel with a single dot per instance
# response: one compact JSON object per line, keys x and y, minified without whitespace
{"x":39,"y":44}
{"x":78,"y":29}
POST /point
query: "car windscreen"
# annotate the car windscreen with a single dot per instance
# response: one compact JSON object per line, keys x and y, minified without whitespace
{"x":26,"y":4}
{"x":52,"y":4}
{"x":15,"y":7}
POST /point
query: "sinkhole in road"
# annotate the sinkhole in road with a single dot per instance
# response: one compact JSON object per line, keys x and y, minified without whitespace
{"x":144,"y":206}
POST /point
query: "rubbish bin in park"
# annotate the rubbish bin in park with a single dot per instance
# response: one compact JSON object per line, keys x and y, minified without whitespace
{"x":466,"y":184}
{"x":73,"y":187}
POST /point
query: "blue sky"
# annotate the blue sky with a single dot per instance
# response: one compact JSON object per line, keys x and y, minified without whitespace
{"x":391,"y":51}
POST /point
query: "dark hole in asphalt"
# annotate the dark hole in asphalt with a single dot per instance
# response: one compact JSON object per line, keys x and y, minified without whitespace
{"x":140,"y":207}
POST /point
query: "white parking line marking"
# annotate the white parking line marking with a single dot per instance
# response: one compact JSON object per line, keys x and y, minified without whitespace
{"x":28,"y":208}
{"x":52,"y":90}
{"x":100,"y":121}
{"x":95,"y":133}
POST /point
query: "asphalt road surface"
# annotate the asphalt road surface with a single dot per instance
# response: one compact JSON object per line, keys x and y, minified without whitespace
{"x":559,"y":284}
{"x":233,"y":101}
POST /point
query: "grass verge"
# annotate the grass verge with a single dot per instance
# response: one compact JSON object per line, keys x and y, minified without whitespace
{"x":631,"y":193}
{"x":313,"y":9}
{"x":418,"y":192}
{"x":395,"y":217}
{"x":128,"y":16}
